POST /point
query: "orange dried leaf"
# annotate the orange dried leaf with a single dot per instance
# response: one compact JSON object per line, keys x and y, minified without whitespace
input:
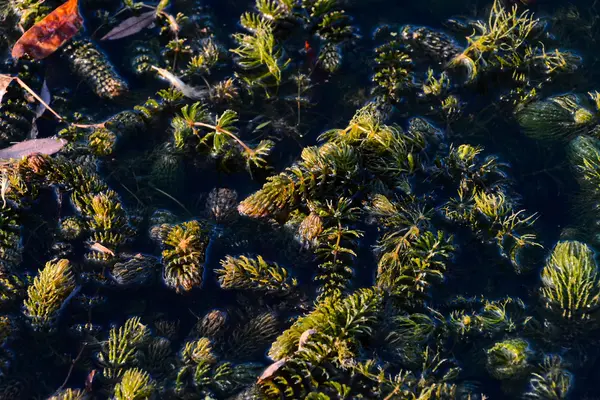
{"x":45,"y":37}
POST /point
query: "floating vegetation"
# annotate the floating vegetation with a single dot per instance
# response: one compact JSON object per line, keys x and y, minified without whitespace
{"x":257,"y":200}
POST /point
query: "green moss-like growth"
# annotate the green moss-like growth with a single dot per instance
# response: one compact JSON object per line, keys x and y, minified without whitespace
{"x":570,"y":282}
{"x":258,"y":55}
{"x":91,"y":65}
{"x":102,"y":142}
{"x":48,"y":293}
{"x":184,"y":248}
{"x":508,"y":359}
{"x":557,"y":118}
{"x":552,"y":382}
{"x":135,"y":385}
{"x":120,"y":351}
{"x":69,"y":394}
{"x":411,"y":254}
{"x":337,"y":321}
{"x":254,"y":274}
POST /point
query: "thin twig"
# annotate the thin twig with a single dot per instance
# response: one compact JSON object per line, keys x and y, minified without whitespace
{"x":73,"y":362}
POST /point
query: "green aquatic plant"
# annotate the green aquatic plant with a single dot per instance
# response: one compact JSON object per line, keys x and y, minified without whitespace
{"x":218,"y":135}
{"x":321,"y":169}
{"x":120,"y":352}
{"x":134,"y":385}
{"x":339,"y":323}
{"x":411,"y":254}
{"x":508,"y":359}
{"x":69,"y":394}
{"x":570,"y":282}
{"x":499,"y":41}
{"x":258,"y":55}
{"x":552,"y":382}
{"x":252,"y":337}
{"x":48,"y":293}
{"x":483,"y":204}
{"x":90,"y":64}
{"x":254,"y":274}
{"x":102,"y":142}
{"x":557,"y":118}
{"x":184,"y":248}
{"x":336,"y":243}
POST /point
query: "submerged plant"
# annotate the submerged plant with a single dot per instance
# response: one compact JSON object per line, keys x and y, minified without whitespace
{"x":48,"y":293}
{"x":557,"y":118}
{"x":184,"y":248}
{"x":570,"y":282}
{"x":254,"y":274}
{"x":259,"y":56}
{"x":508,"y":359}
{"x":135,"y":385}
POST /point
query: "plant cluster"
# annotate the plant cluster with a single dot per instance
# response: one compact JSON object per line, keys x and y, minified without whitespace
{"x":383,"y":247}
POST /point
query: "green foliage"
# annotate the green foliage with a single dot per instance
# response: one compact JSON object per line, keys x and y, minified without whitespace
{"x":336,"y":242}
{"x":90,"y":64}
{"x":69,"y":394}
{"x":258,"y":54}
{"x":135,"y":385}
{"x":330,"y":23}
{"x":254,"y":274}
{"x":584,"y":155}
{"x":320,"y":170}
{"x":411,"y":254}
{"x":218,"y":135}
{"x":102,"y":142}
{"x":120,"y":352}
{"x":570,"y":282}
{"x":252,"y":337}
{"x":508,"y":359}
{"x":499,"y":43}
{"x":48,"y":293}
{"x":557,"y":118}
{"x":393,"y":73}
{"x":551,"y":382}
{"x":184,"y":248}
{"x":340,"y":325}
{"x":483,"y":204}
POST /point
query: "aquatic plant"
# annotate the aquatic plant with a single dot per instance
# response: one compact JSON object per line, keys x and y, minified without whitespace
{"x":184,"y":248}
{"x":120,"y":352}
{"x":570,"y":284}
{"x":254,"y":274}
{"x":135,"y":385}
{"x":48,"y":293}
{"x":557,"y":118}
{"x":508,"y":359}
{"x":258,"y":54}
{"x":218,"y":135}
{"x":553,"y":381}
{"x":91,"y":65}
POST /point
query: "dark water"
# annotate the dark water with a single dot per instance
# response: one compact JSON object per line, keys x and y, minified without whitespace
{"x":541,"y":182}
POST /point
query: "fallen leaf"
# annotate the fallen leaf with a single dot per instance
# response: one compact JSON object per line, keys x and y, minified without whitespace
{"x":188,"y":91}
{"x":131,"y":26}
{"x":42,"y":146}
{"x":101,"y":248}
{"x":5,"y":80}
{"x":46,"y":36}
{"x":271,"y":369}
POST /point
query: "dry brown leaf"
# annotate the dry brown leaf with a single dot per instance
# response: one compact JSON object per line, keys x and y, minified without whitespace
{"x":42,"y":146}
{"x":131,"y":26}
{"x":101,"y":248}
{"x":46,"y":36}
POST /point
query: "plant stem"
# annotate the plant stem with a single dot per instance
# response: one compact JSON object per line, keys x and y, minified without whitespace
{"x":231,"y":135}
